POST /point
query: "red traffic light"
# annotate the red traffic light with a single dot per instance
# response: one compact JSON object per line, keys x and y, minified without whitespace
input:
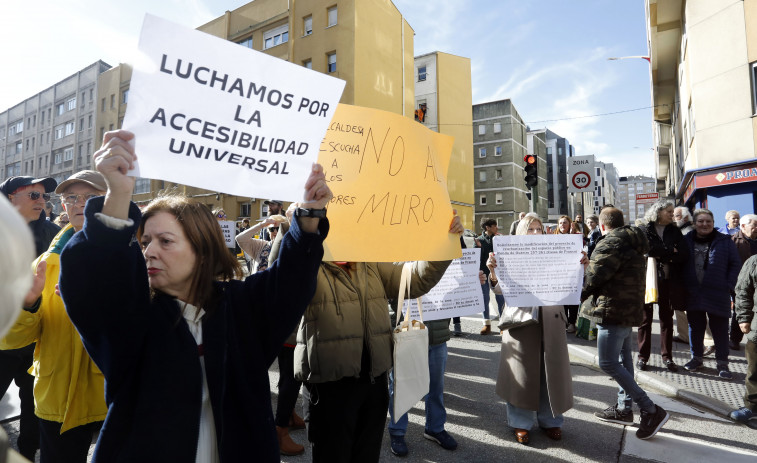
{"x":529,"y":159}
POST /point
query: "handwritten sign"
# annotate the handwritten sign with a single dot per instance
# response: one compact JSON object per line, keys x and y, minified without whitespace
{"x":539,"y":270}
{"x":229,"y":232}
{"x":388,"y":174}
{"x":457,"y":294}
{"x":211,"y":114}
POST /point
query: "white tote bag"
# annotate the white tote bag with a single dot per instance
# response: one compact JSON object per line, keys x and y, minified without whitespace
{"x":411,"y":377}
{"x":651,"y":294}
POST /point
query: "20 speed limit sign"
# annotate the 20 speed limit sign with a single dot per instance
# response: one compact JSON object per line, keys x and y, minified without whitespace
{"x":581,"y":180}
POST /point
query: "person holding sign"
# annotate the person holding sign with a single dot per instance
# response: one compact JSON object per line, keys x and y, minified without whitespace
{"x":344,"y":352}
{"x":534,"y":371}
{"x":183,"y":346}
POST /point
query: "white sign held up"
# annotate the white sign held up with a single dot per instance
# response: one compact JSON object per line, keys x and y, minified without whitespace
{"x":457,"y":294}
{"x":539,"y":270}
{"x":229,"y":229}
{"x":211,"y":114}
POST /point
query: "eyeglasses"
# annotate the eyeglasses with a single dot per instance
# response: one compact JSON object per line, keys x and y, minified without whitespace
{"x":35,"y":195}
{"x":73,"y":199}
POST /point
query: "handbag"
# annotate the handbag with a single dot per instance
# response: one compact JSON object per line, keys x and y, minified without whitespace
{"x":411,"y":377}
{"x":586,"y":328}
{"x":518,"y":317}
{"x":651,"y":293}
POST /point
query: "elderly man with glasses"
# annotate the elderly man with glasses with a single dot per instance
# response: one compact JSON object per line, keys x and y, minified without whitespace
{"x":28,"y":195}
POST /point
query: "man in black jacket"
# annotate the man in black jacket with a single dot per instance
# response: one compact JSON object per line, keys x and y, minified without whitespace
{"x":28,"y":195}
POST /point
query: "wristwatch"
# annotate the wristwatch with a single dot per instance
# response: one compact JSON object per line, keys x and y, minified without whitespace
{"x":317,"y":213}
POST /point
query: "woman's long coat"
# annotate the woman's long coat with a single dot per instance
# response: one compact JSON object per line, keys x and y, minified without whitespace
{"x":520,"y":363}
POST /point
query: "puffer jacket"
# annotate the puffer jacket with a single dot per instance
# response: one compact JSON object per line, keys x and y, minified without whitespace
{"x":746,"y":297}
{"x":713,"y":295}
{"x":348,"y":312}
{"x":615,"y":279}
{"x":68,"y":386}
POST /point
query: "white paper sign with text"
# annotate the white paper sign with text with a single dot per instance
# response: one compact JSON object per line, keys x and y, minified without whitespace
{"x":228,"y":227}
{"x":212,"y":114}
{"x":539,"y":270}
{"x":457,"y":294}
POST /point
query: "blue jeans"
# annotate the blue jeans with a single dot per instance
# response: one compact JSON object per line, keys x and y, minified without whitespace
{"x":497,"y":297}
{"x":436,"y":414}
{"x":719,"y":326}
{"x":521,"y":418}
{"x":614,"y":348}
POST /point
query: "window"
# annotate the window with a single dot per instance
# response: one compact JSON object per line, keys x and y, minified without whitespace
{"x":559,"y":151}
{"x":81,"y":124}
{"x":59,"y":132}
{"x":89,"y":123}
{"x":125,"y":94}
{"x":307,"y":25}
{"x":245,"y":209}
{"x":42,"y":118}
{"x":71,"y":104}
{"x":692,"y":126}
{"x":16,"y":127}
{"x":498,"y":198}
{"x":308,"y":63}
{"x":482,"y":176}
{"x":110,"y":127}
{"x":332,"y":16}
{"x":482,"y":152}
{"x":91,"y":94}
{"x":60,"y":109}
{"x":82,"y":99}
{"x":112,"y":101}
{"x":19,"y":147}
{"x":498,"y":151}
{"x":58,"y":158}
{"x":142,"y":185}
{"x":276,"y":36}
{"x":246,"y":42}
{"x":102,"y":105}
{"x":421,"y":73}
{"x":497,"y":127}
{"x":34,"y":120}
{"x":482,"y":129}
{"x":482,"y":200}
{"x":331,"y":59}
{"x":498,"y":174}
{"x":68,"y":154}
{"x":70,"y":127}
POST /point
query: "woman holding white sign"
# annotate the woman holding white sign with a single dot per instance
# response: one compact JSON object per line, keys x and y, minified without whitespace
{"x":183,"y":346}
{"x":534,"y":370}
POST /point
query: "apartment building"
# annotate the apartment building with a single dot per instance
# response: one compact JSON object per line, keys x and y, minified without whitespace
{"x":558,"y":150}
{"x":443,"y":99}
{"x":53,"y":133}
{"x":703,"y":62}
{"x":499,"y":146}
{"x":629,"y":189}
{"x":605,"y":186}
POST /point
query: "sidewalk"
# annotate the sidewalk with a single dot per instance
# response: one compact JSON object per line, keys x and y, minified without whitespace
{"x":702,"y":388}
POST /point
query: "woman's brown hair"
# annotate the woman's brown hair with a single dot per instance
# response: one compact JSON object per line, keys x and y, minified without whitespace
{"x":213,"y":260}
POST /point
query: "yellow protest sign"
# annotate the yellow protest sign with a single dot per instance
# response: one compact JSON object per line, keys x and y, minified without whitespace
{"x":388,"y":174}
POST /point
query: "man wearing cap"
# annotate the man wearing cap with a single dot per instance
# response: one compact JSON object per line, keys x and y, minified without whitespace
{"x":28,"y":195}
{"x":68,"y":387}
{"x":274,"y":208}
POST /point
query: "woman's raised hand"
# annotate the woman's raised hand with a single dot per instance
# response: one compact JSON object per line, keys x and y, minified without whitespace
{"x":114,"y":159}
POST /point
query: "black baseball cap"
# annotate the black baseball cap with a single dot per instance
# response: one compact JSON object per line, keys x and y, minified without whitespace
{"x":11,"y":184}
{"x":273,"y":201}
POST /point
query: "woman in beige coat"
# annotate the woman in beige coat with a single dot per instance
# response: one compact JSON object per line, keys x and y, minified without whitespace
{"x":534,"y":371}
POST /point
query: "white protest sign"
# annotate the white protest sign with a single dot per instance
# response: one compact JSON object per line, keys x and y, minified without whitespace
{"x":581,"y":174}
{"x":457,"y":294}
{"x":228,"y":227}
{"x":212,"y":114}
{"x":539,"y":270}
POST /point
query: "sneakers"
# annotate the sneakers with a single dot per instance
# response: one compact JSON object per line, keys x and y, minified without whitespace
{"x":744,"y":415}
{"x":651,"y":423}
{"x":641,"y":364}
{"x":724,"y":372}
{"x":571,"y":328}
{"x":670,"y":365}
{"x":611,"y":414}
{"x":486,"y":329}
{"x":693,"y":364}
{"x":442,"y":438}
{"x":399,"y":447}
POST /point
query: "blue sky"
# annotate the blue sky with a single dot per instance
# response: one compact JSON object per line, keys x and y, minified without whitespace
{"x":548,"y":56}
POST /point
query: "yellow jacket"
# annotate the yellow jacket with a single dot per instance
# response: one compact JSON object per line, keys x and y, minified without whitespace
{"x":68,"y":386}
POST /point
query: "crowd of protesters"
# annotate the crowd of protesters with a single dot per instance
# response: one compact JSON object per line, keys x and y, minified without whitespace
{"x":138,"y":325}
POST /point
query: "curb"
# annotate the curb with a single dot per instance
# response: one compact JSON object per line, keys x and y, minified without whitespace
{"x":589,"y":357}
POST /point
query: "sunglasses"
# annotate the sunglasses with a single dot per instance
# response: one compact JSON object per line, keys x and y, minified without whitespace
{"x":221,"y":216}
{"x":35,"y":195}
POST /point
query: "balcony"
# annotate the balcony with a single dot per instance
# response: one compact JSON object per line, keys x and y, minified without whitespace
{"x":663,"y":136}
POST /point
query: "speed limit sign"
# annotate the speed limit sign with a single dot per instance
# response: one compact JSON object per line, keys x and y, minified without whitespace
{"x":580,"y":173}
{"x":581,"y":180}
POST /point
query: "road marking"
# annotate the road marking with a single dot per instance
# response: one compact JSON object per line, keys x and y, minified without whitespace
{"x":672,"y":448}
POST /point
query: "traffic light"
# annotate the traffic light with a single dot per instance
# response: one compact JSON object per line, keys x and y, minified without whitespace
{"x":531,"y":177}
